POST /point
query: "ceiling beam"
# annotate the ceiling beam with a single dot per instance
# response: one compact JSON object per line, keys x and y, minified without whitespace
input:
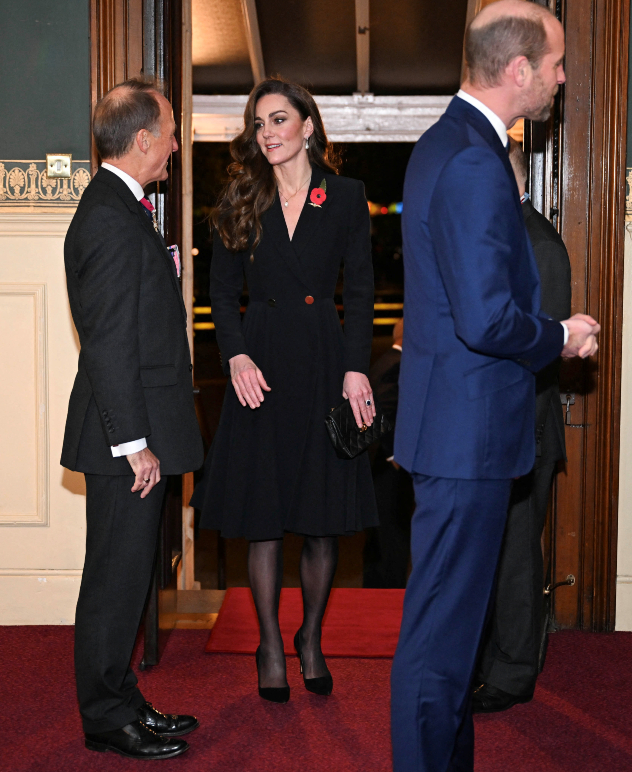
{"x":253,"y":38}
{"x":347,"y":118}
{"x":362,"y":44}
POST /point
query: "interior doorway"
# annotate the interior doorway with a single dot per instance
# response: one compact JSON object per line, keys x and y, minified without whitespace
{"x":381,"y":76}
{"x":415,"y":48}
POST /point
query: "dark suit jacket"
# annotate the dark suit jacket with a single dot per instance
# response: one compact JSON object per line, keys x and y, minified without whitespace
{"x":134,"y":373}
{"x":384,"y":378}
{"x":474,"y":334}
{"x":555,"y":277}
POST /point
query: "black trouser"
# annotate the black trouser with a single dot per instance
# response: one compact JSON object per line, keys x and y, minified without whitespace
{"x":387,"y":547}
{"x":511,"y":645}
{"x":122,"y":530}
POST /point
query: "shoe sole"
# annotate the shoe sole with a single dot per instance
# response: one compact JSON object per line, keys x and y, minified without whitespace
{"x":478,"y":710}
{"x":179,"y":734}
{"x":103,"y":748}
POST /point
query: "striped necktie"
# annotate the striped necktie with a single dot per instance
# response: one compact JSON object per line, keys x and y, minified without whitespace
{"x":151,"y":212}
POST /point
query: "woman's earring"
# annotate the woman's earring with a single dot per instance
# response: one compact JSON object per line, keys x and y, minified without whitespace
{"x":306,"y":143}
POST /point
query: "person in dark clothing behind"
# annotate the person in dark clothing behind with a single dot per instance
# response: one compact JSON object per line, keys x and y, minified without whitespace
{"x":387,"y":547}
{"x":509,"y":661}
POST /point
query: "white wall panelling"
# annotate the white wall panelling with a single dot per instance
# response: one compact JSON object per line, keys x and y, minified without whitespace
{"x":23,"y":405}
{"x":40,"y":567}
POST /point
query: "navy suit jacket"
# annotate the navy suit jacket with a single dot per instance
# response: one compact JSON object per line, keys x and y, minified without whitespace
{"x":474,"y":334}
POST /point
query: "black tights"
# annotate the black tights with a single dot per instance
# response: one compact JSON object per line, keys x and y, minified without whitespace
{"x":319,"y":559}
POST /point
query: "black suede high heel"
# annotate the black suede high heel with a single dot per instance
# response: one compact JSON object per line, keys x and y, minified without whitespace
{"x":279,"y":694}
{"x":322,"y":685}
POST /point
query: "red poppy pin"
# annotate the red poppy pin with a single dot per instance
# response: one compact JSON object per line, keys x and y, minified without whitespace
{"x":318,"y":195}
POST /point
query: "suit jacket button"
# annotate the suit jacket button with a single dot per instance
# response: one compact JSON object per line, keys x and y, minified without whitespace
{"x":190,"y":368}
{"x":309,"y":300}
{"x":271,"y":302}
{"x":110,"y":430}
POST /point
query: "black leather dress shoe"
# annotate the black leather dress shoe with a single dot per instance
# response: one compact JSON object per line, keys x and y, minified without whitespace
{"x":167,"y":726}
{"x":488,"y":699}
{"x":137,"y":742}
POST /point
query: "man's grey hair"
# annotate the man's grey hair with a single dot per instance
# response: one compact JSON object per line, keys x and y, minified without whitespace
{"x":489,"y":48}
{"x":518,"y":161}
{"x":122,"y":113}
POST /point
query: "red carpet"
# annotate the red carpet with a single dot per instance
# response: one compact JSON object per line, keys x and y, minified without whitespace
{"x":358,"y":623}
{"x":578,"y":722}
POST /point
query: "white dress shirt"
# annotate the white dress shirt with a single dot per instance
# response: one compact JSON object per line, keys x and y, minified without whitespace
{"x":501,"y":130}
{"x":126,"y":448}
{"x":496,"y":122}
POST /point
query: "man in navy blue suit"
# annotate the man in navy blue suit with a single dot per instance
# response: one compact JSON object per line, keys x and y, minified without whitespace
{"x":473,"y":339}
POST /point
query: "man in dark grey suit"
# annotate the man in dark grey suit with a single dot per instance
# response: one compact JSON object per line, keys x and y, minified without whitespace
{"x":509,"y":663}
{"x":131,"y":418}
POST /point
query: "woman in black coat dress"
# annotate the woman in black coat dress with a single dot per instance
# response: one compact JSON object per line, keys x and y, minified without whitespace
{"x":288,"y":223}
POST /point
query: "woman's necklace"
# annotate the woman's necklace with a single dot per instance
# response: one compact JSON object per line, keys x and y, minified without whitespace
{"x":287,"y":200}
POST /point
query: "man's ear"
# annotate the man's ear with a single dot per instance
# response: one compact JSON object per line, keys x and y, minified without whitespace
{"x":519,"y":69}
{"x":142,"y":140}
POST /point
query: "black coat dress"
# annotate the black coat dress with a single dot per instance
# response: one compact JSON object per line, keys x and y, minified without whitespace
{"x":273,"y":469}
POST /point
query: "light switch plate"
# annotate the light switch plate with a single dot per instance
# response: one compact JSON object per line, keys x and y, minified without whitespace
{"x":58,"y":165}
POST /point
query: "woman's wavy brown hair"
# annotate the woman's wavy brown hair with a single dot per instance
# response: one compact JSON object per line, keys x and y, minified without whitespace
{"x":251,"y":188}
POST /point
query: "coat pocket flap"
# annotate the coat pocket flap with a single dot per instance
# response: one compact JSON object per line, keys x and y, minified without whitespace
{"x":492,"y":377}
{"x":158,"y":375}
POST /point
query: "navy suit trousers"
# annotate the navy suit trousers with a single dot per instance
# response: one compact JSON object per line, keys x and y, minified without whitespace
{"x":457,"y":531}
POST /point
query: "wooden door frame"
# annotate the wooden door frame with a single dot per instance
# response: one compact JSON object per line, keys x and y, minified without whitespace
{"x":604,"y":201}
{"x":578,"y":180}
{"x":583,"y":191}
{"x":186,"y":576}
{"x":585,"y":183}
{"x":124,"y":45}
{"x":116,"y":49}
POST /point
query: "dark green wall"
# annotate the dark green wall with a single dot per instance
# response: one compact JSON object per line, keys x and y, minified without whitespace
{"x":44,"y":78}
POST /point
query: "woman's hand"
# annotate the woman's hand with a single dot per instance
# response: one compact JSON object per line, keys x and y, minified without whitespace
{"x":248,"y":381}
{"x":357,"y":389}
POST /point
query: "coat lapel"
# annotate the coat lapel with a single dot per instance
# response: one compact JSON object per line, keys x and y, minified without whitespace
{"x":484,"y":127}
{"x":476,"y":119}
{"x":162,"y":249}
{"x":311,"y":216}
{"x":114,"y":182}
{"x":459,"y":107}
{"x":277,"y":228}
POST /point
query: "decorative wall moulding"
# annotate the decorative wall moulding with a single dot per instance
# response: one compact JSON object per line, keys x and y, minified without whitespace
{"x":353,"y":118}
{"x":25,"y":183}
{"x":32,"y":221}
{"x":24,"y":493}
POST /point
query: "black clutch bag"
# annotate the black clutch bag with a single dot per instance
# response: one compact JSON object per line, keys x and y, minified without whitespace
{"x":347,"y":439}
